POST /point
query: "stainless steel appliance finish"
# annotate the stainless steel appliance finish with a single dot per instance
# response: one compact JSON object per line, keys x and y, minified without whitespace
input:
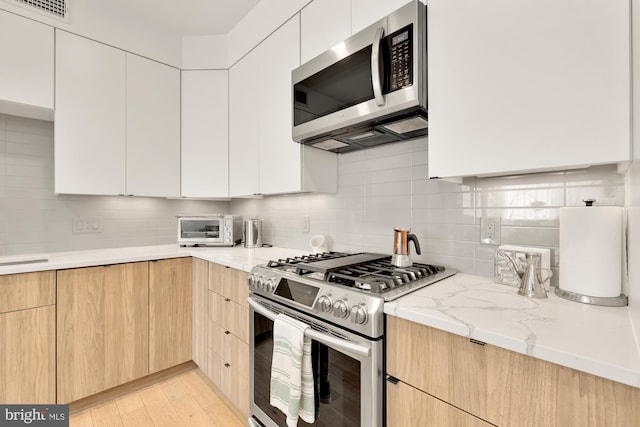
{"x":341,"y":297}
{"x":370,"y":89}
{"x":253,"y":233}
{"x":209,"y":230}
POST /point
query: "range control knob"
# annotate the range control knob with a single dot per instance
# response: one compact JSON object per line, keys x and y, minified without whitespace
{"x":324,"y":304}
{"x":341,"y":309}
{"x":251,"y":280}
{"x":359,"y":315}
{"x":260,"y":282}
{"x":270,"y":285}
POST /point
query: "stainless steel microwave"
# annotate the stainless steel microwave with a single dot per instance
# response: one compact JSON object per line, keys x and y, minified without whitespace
{"x":370,"y":89}
{"x":209,"y":230}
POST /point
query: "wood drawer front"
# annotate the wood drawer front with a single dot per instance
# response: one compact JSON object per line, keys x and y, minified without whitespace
{"x":231,"y":376}
{"x":410,"y":407}
{"x":229,"y":282}
{"x":28,"y":356}
{"x":220,"y":340}
{"x":450,"y":367}
{"x":554,"y":395}
{"x":229,"y":315}
{"x":27,"y":290}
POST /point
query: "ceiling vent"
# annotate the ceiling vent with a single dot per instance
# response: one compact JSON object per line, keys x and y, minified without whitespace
{"x":57,"y":8}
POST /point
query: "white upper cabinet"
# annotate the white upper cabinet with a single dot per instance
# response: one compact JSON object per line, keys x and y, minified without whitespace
{"x":26,"y":67}
{"x":264,"y":159}
{"x":528,"y":85}
{"x":324,"y":23}
{"x":205,"y":134}
{"x":90,"y":122}
{"x":366,"y":12}
{"x":245,"y":108}
{"x":153,"y":128}
{"x":117,"y":121}
{"x":280,"y":167}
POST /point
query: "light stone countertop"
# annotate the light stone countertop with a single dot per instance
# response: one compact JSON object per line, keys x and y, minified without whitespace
{"x":597,"y":340}
{"x":237,"y":257}
{"x":588,"y":338}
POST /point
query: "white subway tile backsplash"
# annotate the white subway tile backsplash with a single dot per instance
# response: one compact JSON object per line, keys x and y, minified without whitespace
{"x":444,"y":215}
{"x":378,"y":189}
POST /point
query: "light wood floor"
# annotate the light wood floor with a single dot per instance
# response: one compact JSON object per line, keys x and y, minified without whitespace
{"x":185,"y":399}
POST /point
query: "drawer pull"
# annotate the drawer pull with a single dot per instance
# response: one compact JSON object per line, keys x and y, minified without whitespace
{"x":392,"y":380}
{"x":476,"y":341}
{"x":227,"y":365}
{"x":227,"y":332}
{"x":227,"y":299}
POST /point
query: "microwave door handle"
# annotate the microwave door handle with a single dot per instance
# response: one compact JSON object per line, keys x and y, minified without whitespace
{"x":375,"y":67}
{"x":333,"y":342}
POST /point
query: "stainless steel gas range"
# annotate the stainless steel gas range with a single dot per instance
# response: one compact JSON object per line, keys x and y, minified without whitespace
{"x":341,"y":297}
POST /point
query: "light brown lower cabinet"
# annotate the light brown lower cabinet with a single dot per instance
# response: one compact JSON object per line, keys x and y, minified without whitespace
{"x":228,"y":334}
{"x":170,"y":313}
{"x":102,"y":329}
{"x":410,"y":407}
{"x":496,"y":385}
{"x":28,"y":338}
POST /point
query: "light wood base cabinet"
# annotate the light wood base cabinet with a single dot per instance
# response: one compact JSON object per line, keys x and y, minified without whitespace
{"x":170,"y":317}
{"x":102,"y":330}
{"x":496,"y":385}
{"x":28,"y":338}
{"x":410,"y":407}
{"x":228,"y":334}
{"x":199,"y":336}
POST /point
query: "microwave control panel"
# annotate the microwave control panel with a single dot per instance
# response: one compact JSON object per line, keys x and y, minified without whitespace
{"x":400,"y":58}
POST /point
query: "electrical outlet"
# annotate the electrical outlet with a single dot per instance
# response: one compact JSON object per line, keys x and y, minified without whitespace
{"x":87,"y":225}
{"x":490,"y":230}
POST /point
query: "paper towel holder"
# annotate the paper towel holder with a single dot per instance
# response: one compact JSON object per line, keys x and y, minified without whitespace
{"x":619,"y":301}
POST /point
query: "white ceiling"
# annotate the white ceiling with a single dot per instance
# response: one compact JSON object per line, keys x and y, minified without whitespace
{"x":188,"y":17}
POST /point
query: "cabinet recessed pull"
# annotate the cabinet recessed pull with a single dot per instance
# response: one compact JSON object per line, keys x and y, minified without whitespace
{"x":392,"y":380}
{"x":227,"y":365}
{"x":227,"y":299}
{"x":227,"y":332}
{"x":476,"y":341}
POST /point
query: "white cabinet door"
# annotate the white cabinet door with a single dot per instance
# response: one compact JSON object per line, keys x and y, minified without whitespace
{"x":527,"y":85}
{"x":245,"y":108}
{"x":263,"y":158}
{"x":366,"y":12}
{"x":89,"y":117}
{"x":323,"y":24}
{"x":153,"y":128}
{"x":280,"y":156}
{"x":26,"y":67}
{"x":205,"y":133}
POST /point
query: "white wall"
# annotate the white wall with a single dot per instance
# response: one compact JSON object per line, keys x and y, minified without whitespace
{"x":101,"y":21}
{"x":387,"y":187}
{"x":33,"y":219}
{"x":633,"y":183}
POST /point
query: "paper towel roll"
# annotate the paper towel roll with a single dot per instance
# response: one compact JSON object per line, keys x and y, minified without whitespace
{"x":591,"y":239}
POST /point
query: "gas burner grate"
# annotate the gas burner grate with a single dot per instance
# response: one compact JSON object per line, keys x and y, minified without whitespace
{"x":293,"y":261}
{"x":381,"y":276}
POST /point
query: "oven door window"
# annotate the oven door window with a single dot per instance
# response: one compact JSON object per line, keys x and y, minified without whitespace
{"x":201,"y":229}
{"x":336,"y":378}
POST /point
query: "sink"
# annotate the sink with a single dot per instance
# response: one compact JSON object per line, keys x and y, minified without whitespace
{"x":22,"y":259}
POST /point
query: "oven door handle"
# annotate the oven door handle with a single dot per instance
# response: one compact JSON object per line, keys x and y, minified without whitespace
{"x":333,"y":342}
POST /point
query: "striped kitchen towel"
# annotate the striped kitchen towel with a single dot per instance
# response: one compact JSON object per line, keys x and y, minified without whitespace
{"x":292,"y":388}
